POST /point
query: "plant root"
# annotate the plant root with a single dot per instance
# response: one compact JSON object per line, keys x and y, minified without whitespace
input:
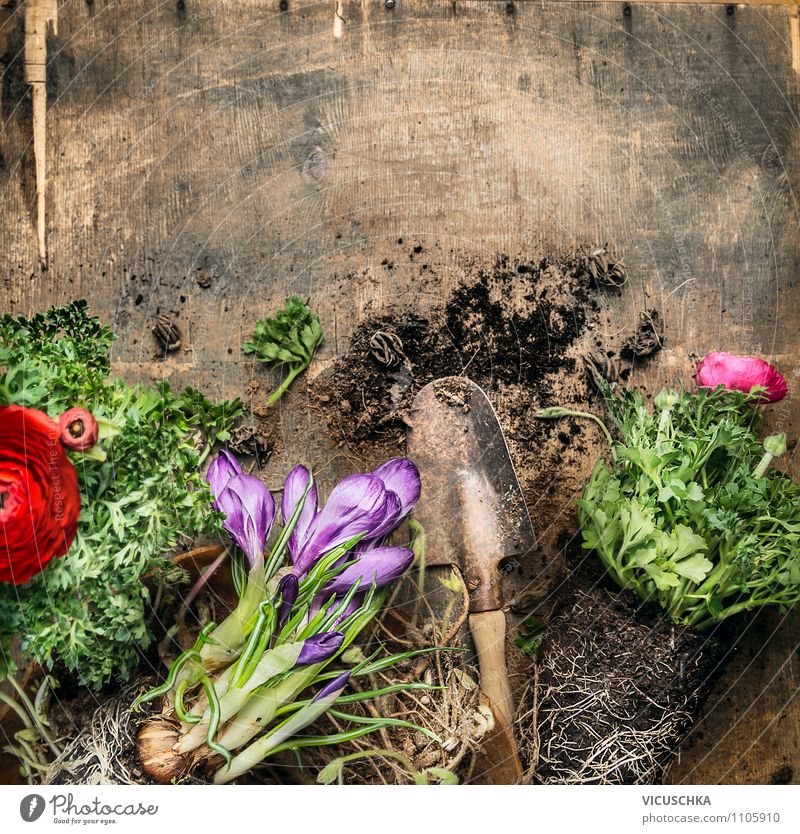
{"x":619,"y":688}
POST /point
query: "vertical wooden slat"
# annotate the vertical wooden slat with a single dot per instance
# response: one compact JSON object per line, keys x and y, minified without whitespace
{"x":39,"y":15}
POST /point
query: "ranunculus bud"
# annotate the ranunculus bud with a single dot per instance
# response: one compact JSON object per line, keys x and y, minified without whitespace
{"x":78,"y":429}
{"x":741,"y":373}
{"x":666,"y":400}
{"x":775,"y":444}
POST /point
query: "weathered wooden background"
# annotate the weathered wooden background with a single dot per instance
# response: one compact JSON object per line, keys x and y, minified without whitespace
{"x":277,"y":146}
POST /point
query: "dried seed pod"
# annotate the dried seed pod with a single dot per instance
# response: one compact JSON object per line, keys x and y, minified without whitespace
{"x":648,"y":338}
{"x":606,"y":270}
{"x":167,"y":333}
{"x":600,"y":366}
{"x":387,"y":349}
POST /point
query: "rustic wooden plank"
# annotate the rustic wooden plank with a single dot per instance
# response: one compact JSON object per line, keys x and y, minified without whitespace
{"x":231,"y":136}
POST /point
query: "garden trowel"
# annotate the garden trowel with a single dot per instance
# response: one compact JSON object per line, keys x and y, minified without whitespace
{"x":475,"y":518}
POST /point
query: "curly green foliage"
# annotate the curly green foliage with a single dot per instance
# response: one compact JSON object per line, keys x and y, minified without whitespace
{"x":290,"y":339}
{"x":88,"y":610}
{"x":687,"y":514}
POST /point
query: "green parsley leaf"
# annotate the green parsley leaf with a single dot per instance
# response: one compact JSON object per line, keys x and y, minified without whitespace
{"x":290,"y":339}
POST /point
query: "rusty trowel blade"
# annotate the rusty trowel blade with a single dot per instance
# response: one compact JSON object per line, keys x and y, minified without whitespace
{"x":471,"y":506}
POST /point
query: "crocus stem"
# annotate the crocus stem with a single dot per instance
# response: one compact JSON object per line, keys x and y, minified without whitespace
{"x":274,"y":662}
{"x":284,"y":386}
{"x":258,"y":750}
{"x":262,"y":707}
{"x":308,"y":714}
{"x":229,"y":636}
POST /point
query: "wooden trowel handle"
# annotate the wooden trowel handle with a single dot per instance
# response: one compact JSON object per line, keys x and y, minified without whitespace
{"x":489,"y":635}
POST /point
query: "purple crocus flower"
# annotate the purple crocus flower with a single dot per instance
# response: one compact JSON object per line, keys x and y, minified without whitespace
{"x":220,"y":471}
{"x":294,"y":488}
{"x":370,"y":504}
{"x":288,"y":588}
{"x":320,"y":647}
{"x":401,"y":477}
{"x":246,"y":503}
{"x":333,"y":689}
{"x":357,"y":504}
{"x":380,"y":565}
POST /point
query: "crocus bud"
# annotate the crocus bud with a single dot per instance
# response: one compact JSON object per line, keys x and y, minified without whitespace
{"x":332,"y":690}
{"x":295,"y":490}
{"x":320,"y":647}
{"x":78,"y":429}
{"x":287,"y":589}
{"x":249,"y":510}
{"x":741,"y":373}
{"x":220,"y":471}
{"x":379,"y":566}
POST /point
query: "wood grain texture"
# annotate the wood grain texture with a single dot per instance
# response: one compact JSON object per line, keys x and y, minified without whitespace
{"x":233,"y":137}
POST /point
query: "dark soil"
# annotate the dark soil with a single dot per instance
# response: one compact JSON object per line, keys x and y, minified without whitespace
{"x":619,"y":687}
{"x":482,"y":331}
{"x":517,"y":327}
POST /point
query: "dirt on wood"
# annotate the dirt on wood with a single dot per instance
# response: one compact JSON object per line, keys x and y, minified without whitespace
{"x":518,"y":327}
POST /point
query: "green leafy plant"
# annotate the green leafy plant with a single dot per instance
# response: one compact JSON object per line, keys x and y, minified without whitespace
{"x":531,"y":634}
{"x":290,"y":339}
{"x":333,"y":772}
{"x":88,"y":610}
{"x":687,"y":512}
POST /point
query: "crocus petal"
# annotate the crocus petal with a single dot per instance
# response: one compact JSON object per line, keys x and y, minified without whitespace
{"x":393,"y":516}
{"x":381,"y":566}
{"x":331,"y":691}
{"x":220,"y":471}
{"x":741,"y":373}
{"x":356,"y":505}
{"x":249,"y":510}
{"x":294,"y":488}
{"x":288,"y":588}
{"x":401,"y":476}
{"x":320,"y":647}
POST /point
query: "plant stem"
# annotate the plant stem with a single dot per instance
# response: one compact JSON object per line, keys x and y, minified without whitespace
{"x":35,"y":717}
{"x":386,"y":754}
{"x":284,"y":386}
{"x":765,"y":461}
{"x":550,"y":413}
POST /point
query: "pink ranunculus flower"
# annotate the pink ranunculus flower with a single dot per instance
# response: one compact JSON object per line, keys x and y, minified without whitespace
{"x":740,"y":373}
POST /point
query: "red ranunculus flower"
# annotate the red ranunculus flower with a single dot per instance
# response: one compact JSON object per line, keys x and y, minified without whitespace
{"x":741,"y":373}
{"x":79,"y":429}
{"x":39,"y":498}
